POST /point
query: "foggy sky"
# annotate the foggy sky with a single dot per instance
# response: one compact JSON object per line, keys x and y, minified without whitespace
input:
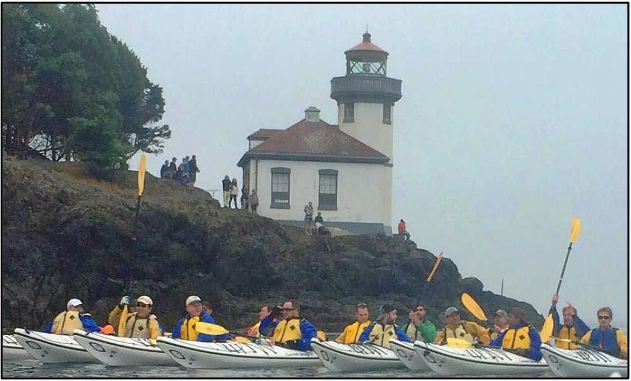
{"x":513,"y":119}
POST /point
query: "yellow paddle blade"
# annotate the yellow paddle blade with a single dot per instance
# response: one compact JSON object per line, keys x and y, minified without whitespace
{"x":458,"y":343}
{"x":576,"y":229}
{"x":546,"y":330}
{"x":241,"y":339}
{"x":210,"y":329}
{"x":122,"y":323}
{"x":141,"y":173}
{"x":321,"y":336}
{"x":472,"y":306}
{"x":440,"y":256}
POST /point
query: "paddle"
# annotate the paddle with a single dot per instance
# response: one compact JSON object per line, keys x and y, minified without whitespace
{"x":217,"y":330}
{"x":472,"y":306}
{"x":122,"y":323}
{"x":548,"y":325}
{"x":440,"y":256}
{"x":581,"y":344}
{"x":141,"y":187}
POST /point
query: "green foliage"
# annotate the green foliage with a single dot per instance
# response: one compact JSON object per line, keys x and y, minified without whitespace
{"x":73,"y":91}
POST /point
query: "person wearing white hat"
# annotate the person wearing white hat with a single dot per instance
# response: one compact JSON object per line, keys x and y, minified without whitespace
{"x":384,"y":328}
{"x":73,"y":318}
{"x":185,"y":327}
{"x":461,"y":329}
{"x":141,"y":323}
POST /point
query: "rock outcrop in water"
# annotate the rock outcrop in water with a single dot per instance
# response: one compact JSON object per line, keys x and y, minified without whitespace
{"x":65,"y":235}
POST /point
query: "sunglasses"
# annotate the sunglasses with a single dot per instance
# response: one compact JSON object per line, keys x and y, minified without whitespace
{"x":142,"y":305}
{"x":604,"y":318}
{"x":362,"y":305}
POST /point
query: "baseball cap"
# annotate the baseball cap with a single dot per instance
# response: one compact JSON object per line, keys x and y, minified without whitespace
{"x":501,"y":313}
{"x":192,"y":299}
{"x":450,"y":311}
{"x":145,"y":299}
{"x":74,"y":303}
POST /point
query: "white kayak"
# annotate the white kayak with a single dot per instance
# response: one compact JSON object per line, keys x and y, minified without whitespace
{"x":339,"y":357}
{"x":195,"y":354}
{"x":12,"y":350}
{"x":449,"y":361}
{"x":121,"y":351}
{"x":51,"y":348}
{"x":408,"y":356}
{"x":583,"y":363}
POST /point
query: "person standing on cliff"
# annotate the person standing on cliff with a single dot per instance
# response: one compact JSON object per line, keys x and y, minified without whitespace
{"x":227,"y":186}
{"x":419,"y":328}
{"x":173,"y":168}
{"x":234,"y":192}
{"x":309,"y":218}
{"x":193,"y":169}
{"x":403,"y":230}
{"x":73,"y":318}
{"x":254,"y":201}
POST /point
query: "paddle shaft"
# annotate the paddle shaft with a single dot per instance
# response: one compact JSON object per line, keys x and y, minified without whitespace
{"x":136,"y":218}
{"x":564,"y":266}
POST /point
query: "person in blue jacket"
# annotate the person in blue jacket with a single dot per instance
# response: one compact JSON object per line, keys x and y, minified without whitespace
{"x":520,"y":338}
{"x":185,"y":327}
{"x":73,"y":318}
{"x":605,"y":337}
{"x":289,"y":329}
{"x":572,"y":329}
{"x":384,"y":329}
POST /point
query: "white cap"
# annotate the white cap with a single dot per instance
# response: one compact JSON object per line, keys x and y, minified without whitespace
{"x":145,"y":299}
{"x":74,"y":303}
{"x":193,"y":298}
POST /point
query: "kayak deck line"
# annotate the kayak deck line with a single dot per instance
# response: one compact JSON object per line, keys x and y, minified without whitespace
{"x":54,"y":344}
{"x":358,"y":353}
{"x":586,"y":353}
{"x":486,"y":360}
{"x":144,"y":348}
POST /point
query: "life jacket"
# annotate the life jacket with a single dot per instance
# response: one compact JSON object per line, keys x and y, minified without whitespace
{"x":187,"y":330}
{"x":567,"y":333}
{"x":459,"y":333}
{"x":254,"y":330}
{"x":288,"y":329}
{"x":353,"y":331}
{"x":606,"y":339}
{"x":138,"y":327}
{"x":66,"y":322}
{"x":517,"y":338}
{"x":413,"y":332}
{"x":381,"y":335}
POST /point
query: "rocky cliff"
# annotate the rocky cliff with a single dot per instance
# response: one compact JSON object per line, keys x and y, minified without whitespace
{"x":66,"y":235}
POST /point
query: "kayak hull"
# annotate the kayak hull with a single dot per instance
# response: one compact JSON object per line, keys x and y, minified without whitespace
{"x":234,"y":355}
{"x":12,"y":350}
{"x":121,"y":351}
{"x":51,"y":348}
{"x":339,"y":357}
{"x":408,"y":356}
{"x":448,"y":361}
{"x":583,"y":363}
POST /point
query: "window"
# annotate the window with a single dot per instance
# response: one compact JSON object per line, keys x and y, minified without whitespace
{"x":280,"y":188}
{"x":328,"y":190}
{"x":349,"y":112}
{"x":387,"y":114}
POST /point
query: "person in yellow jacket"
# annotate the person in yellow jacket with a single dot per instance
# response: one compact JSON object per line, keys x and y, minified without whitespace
{"x":520,"y":338}
{"x":572,"y":329}
{"x":610,"y":339}
{"x":73,"y":318}
{"x":461,"y":329}
{"x":263,"y":313}
{"x":185,"y":327}
{"x":291,"y":330}
{"x":353,"y":331}
{"x":141,"y":324}
{"x":500,"y":324}
{"x":115,"y":314}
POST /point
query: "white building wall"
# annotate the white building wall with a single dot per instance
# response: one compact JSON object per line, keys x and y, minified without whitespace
{"x":363,"y":193}
{"x":368,"y":126}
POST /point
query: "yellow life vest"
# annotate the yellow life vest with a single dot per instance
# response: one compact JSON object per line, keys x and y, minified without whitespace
{"x":287,"y":330}
{"x":517,"y":338}
{"x":381,"y":335}
{"x":460,"y":332}
{"x":187,"y":330}
{"x":353,"y":331}
{"x":254,"y":330}
{"x":140,"y":328}
{"x":567,"y":333}
{"x":66,"y":322}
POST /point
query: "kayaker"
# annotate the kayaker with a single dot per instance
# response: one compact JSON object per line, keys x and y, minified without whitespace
{"x":500,"y":324}
{"x":291,"y":330}
{"x":573,"y":328}
{"x":207,"y":307}
{"x":141,"y":324}
{"x":351,"y":333}
{"x":185,"y":327}
{"x":384,"y":329}
{"x":521,"y":338}
{"x":610,"y":339}
{"x":263,"y":313}
{"x":73,"y":318}
{"x":115,"y":314}
{"x":461,"y":329}
{"x":419,"y":328}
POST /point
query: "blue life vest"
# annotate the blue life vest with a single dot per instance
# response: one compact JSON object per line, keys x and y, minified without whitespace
{"x":606,"y":339}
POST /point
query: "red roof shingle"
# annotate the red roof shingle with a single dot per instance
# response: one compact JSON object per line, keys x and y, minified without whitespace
{"x":264,"y":133}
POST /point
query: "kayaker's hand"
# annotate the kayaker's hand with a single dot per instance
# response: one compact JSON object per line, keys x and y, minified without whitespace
{"x":555,"y":299}
{"x":520,"y":352}
{"x":125,"y":301}
{"x":292,"y":344}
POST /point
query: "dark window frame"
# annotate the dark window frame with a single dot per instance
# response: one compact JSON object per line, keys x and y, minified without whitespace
{"x":349,"y":112}
{"x":276,"y":205}
{"x":327,"y":205}
{"x":387,"y":119}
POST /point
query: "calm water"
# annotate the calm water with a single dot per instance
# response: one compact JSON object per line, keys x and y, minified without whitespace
{"x":35,"y":369}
